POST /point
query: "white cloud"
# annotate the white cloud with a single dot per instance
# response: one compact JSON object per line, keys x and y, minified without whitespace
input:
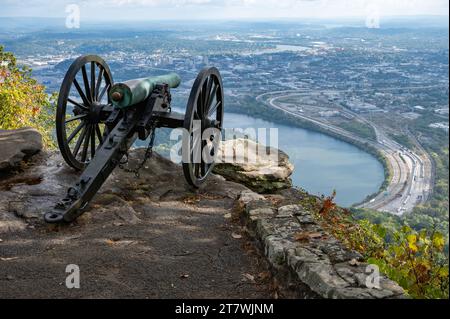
{"x":292,"y":8}
{"x":210,"y":9}
{"x":151,"y":3}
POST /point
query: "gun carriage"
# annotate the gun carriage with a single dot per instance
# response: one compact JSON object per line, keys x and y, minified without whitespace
{"x":97,"y":122}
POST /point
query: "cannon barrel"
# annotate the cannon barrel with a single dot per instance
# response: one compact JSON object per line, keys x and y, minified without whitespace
{"x":135,"y":91}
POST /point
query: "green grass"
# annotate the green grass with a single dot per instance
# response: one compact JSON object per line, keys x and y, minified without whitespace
{"x":360,"y":129}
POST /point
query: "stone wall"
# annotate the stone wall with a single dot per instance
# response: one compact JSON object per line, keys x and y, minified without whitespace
{"x":310,"y":263}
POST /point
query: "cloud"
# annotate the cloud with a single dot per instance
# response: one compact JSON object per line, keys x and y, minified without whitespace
{"x":226,"y":9}
{"x":151,"y":3}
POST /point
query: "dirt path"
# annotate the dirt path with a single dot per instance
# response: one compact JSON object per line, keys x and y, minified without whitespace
{"x":146,"y":238}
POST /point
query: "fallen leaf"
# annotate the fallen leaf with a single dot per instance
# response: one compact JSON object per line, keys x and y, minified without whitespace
{"x":305,"y":236}
{"x":110,"y":242}
{"x":354,"y":262}
{"x":8,"y":258}
{"x":191,"y":200}
{"x":236,"y":236}
{"x":264,"y":275}
{"x":301,"y":237}
{"x":249,"y":277}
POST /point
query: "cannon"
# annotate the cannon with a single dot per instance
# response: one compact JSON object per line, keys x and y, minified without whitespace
{"x":98,"y":121}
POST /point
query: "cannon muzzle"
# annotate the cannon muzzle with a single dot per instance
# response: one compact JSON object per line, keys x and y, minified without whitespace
{"x":135,"y":91}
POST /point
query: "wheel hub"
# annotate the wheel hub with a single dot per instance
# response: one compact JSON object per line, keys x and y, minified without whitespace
{"x":94,"y":113}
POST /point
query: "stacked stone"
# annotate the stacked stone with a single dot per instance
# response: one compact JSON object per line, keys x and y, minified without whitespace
{"x":320,"y":264}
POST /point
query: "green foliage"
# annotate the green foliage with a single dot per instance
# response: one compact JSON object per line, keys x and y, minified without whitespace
{"x":23,"y":101}
{"x":417,"y":260}
{"x":360,"y":129}
{"x":402,"y":140}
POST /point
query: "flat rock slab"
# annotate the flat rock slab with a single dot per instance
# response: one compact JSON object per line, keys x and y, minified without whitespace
{"x":18,"y":144}
{"x":151,"y":237}
{"x":260,"y":168}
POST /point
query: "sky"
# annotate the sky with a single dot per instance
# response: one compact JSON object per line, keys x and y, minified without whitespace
{"x":221,"y":9}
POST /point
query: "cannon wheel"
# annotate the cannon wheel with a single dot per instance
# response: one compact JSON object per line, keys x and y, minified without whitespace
{"x":84,"y":93}
{"x":204,"y":110}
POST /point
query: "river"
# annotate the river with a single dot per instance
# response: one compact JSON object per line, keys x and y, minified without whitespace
{"x":322,"y":163}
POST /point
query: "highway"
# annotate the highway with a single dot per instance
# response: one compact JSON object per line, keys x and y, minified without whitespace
{"x":411,"y":180}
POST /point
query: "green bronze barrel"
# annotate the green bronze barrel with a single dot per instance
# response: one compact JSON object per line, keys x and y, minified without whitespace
{"x":135,"y":91}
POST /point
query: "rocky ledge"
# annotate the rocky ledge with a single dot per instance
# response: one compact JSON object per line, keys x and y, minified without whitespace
{"x":260,"y":168}
{"x":17,"y":145}
{"x":154,"y":237}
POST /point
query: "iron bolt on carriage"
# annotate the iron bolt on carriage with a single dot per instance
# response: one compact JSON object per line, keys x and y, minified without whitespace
{"x":98,"y":121}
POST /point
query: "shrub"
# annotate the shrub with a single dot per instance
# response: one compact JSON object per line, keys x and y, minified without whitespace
{"x":23,"y":101}
{"x":415,"y":259}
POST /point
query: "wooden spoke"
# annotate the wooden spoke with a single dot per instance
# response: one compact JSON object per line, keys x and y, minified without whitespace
{"x":203,"y":169}
{"x":105,"y":89}
{"x":80,"y":140}
{"x":75,"y":132}
{"x":77,"y":104}
{"x":212,"y":96}
{"x":196,"y":169}
{"x":80,"y":92}
{"x":86,"y":144}
{"x":195,"y":142}
{"x":207,"y":95}
{"x":199,"y":109}
{"x":99,"y":133}
{"x":99,"y":82}
{"x":92,"y":81}
{"x":214,"y":108}
{"x":86,"y":83}
{"x":75,"y":118}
